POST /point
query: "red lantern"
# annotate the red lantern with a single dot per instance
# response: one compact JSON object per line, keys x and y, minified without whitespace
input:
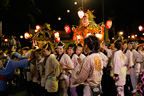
{"x":37,"y":27}
{"x":140,"y":28}
{"x":56,"y":34}
{"x":58,"y":40}
{"x":108,"y":24}
{"x":85,"y":21}
{"x":67,"y":28}
{"x":80,"y":14}
{"x":26,"y":35}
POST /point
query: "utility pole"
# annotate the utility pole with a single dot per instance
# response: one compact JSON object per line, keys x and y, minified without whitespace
{"x":106,"y":35}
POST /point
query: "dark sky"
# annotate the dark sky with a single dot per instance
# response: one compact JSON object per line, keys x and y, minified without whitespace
{"x":126,"y":14}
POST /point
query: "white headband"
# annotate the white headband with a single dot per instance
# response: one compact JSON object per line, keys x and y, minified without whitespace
{"x":60,"y":46}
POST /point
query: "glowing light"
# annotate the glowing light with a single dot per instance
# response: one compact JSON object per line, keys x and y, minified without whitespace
{"x":6,"y":40}
{"x":80,"y":14}
{"x":26,"y":35}
{"x":67,"y":28}
{"x":121,"y":33}
{"x":88,"y":34}
{"x":143,"y":34}
{"x":59,"y":18}
{"x":140,"y":28}
{"x":36,"y":30}
{"x":108,"y":24}
{"x":37,"y":27}
{"x":113,"y":38}
{"x":136,"y":35}
{"x":21,"y":36}
{"x":75,"y":3}
{"x":133,"y":36}
{"x":68,"y":11}
{"x":99,"y":36}
{"x":56,"y":34}
{"x":58,"y":40}
{"x":128,"y":36}
{"x":78,"y":37}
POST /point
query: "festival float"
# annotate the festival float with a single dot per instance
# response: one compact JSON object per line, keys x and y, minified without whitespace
{"x":87,"y":27}
{"x":42,"y":36}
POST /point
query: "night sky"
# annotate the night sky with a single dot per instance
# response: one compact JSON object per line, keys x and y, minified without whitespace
{"x":127,"y":15}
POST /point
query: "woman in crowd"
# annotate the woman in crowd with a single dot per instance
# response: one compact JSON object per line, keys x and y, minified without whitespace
{"x":52,"y":70}
{"x":74,"y":58}
{"x":66,"y":65}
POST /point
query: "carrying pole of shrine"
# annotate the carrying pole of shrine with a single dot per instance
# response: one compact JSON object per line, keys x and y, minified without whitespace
{"x":106,"y":35}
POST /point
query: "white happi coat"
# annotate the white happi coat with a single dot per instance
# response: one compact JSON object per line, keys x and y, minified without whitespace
{"x":118,"y":66}
{"x":104,"y":59}
{"x":81,"y":56}
{"x":136,"y":59}
{"x":65,"y":61}
{"x":76,"y":67}
{"x":39,"y":64}
{"x":91,"y":71}
{"x":141,"y":60}
{"x":129,"y":61}
{"x":135,"y":55}
{"x":52,"y":71}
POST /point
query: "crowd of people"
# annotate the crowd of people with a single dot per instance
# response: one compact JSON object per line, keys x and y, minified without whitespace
{"x":91,"y":69}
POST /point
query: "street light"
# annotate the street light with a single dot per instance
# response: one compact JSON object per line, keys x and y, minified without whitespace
{"x":68,"y":11}
{"x":121,"y":33}
{"x":6,"y":40}
{"x":21,"y":36}
{"x":59,"y":18}
{"x":132,"y":36}
{"x":75,"y":3}
{"x":36,"y":30}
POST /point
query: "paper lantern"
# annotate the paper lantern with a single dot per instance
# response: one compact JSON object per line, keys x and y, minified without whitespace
{"x":108,"y":24}
{"x":26,"y":35}
{"x":140,"y":28}
{"x":67,"y":28}
{"x":56,"y":34}
{"x":58,"y":40}
{"x":37,"y":27}
{"x":85,"y":21}
{"x":80,"y":14}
